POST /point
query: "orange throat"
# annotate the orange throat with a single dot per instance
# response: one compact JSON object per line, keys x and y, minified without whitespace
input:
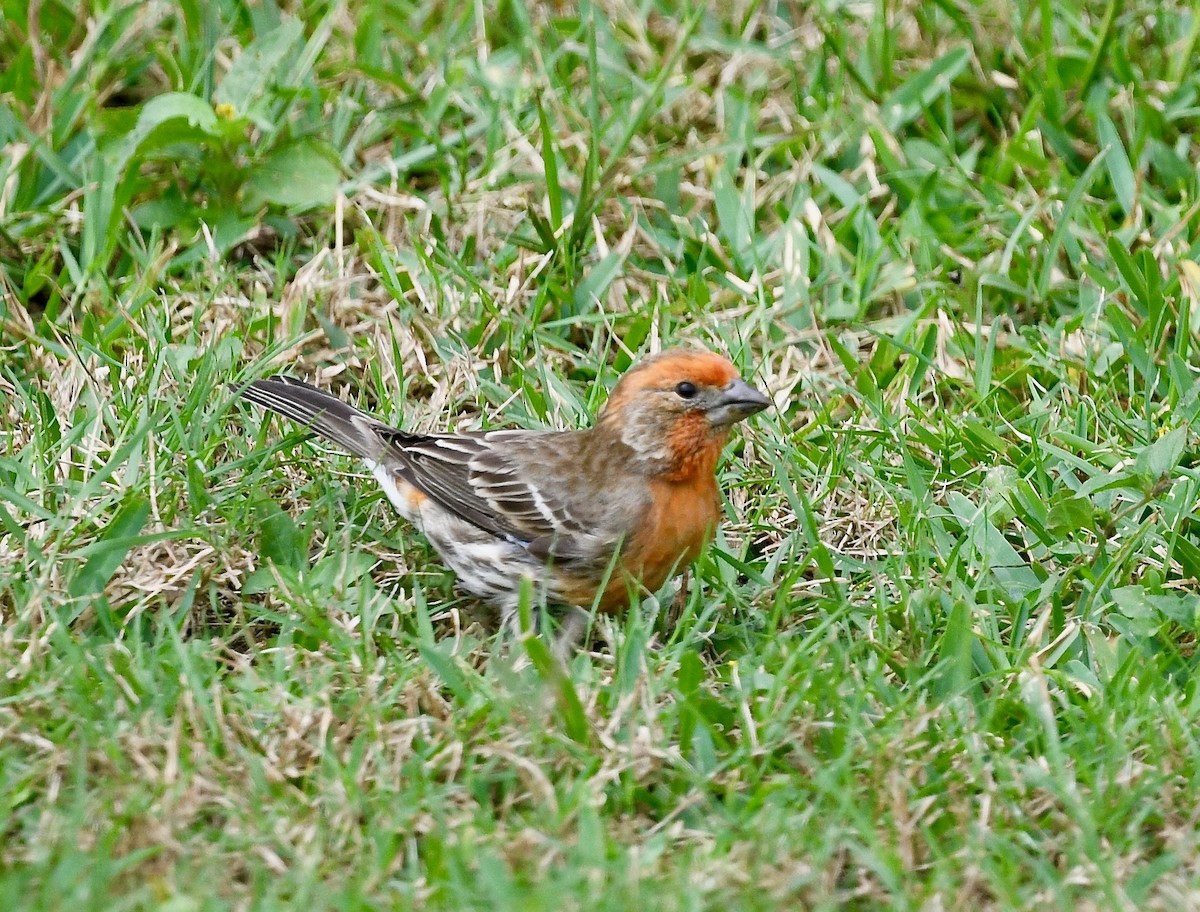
{"x":685,"y":505}
{"x":694,"y":447}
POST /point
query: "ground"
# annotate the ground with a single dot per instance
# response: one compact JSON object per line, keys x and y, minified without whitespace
{"x":941,"y":653}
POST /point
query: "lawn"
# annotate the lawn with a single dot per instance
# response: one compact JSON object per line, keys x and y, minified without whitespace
{"x":941,"y":655}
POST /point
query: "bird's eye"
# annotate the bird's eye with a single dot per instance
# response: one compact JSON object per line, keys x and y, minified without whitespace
{"x":685,"y":390}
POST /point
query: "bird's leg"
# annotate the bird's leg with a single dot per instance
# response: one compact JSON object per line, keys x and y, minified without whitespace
{"x":510,"y":621}
{"x":678,"y":605}
{"x":571,"y":630}
{"x":570,"y":633}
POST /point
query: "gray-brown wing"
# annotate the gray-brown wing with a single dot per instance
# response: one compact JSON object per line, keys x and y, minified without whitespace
{"x":525,"y":486}
{"x":529,"y":487}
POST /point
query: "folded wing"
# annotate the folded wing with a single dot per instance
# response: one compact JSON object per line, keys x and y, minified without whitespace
{"x":537,"y":489}
{"x":525,"y":486}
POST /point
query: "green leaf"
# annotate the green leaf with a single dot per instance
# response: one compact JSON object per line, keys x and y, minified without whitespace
{"x":956,"y":668}
{"x":1010,"y":570}
{"x":169,"y":210}
{"x":597,"y":281}
{"x":1160,"y":458}
{"x":1188,"y":556}
{"x":1063,"y":224}
{"x":258,"y":66}
{"x":987,"y":442}
{"x":570,"y":706}
{"x":114,"y":543}
{"x":300,"y":176}
{"x":261,"y":580}
{"x":342,"y":568}
{"x":1137,"y":604}
{"x":448,"y":669}
{"x":630,"y":659}
{"x":1128,"y":270}
{"x":1120,"y":171}
{"x":279,"y":539}
{"x":170,"y":118}
{"x":919,"y":91}
{"x":158,"y":112}
{"x":734,"y":222}
{"x":550,"y":166}
{"x":839,"y":188}
{"x":689,"y":676}
{"x":1069,"y":513}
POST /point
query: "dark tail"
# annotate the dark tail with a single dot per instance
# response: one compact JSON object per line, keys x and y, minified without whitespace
{"x":345,"y":425}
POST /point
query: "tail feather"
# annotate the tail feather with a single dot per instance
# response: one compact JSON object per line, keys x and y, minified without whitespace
{"x":345,"y":425}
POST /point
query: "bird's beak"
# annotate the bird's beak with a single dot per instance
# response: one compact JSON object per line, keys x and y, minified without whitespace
{"x":737,"y":401}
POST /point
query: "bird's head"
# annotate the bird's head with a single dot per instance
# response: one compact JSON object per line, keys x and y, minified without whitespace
{"x":675,"y":409}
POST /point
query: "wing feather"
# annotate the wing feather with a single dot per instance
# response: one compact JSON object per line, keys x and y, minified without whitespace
{"x":488,"y":478}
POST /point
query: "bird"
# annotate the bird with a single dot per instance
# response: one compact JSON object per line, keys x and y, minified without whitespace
{"x":593,"y":518}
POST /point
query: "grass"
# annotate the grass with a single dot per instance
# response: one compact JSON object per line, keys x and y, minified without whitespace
{"x":942,"y":654}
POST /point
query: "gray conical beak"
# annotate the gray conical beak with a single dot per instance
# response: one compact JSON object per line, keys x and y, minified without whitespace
{"x":737,"y":401}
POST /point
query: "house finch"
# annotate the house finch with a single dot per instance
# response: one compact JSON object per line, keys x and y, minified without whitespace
{"x":587,"y":515}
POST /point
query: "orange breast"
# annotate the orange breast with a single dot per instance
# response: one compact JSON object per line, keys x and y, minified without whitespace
{"x":680,"y":522}
{"x":685,"y":507}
